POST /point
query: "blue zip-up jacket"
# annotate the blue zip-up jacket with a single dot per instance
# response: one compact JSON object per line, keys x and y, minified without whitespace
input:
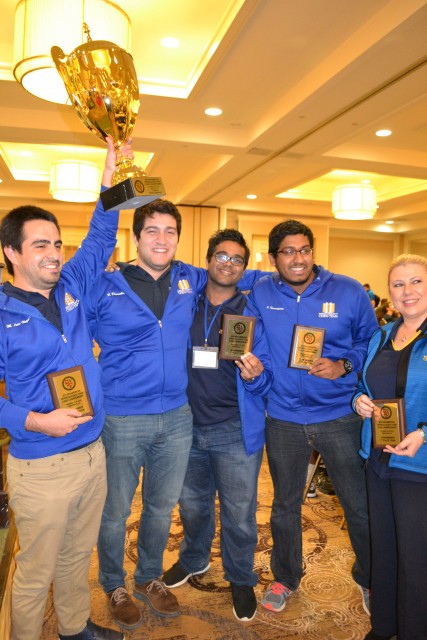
{"x":143,"y":359}
{"x":31,"y":347}
{"x":415,"y":399}
{"x":334,"y":302}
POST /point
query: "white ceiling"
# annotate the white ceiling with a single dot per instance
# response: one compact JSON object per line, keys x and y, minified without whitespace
{"x":303,"y":85}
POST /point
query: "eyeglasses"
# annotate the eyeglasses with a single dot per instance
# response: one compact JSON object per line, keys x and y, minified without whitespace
{"x":289,"y":252}
{"x":223,"y":258}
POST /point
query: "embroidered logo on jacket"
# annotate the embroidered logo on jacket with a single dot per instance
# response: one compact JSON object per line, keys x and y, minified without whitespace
{"x":328,"y":310}
{"x":115,"y":293}
{"x":184,"y":287}
{"x":70,"y":302}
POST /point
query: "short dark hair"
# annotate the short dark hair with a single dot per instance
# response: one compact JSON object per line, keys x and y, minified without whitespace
{"x":222,"y":235}
{"x":12,"y":225}
{"x":288,"y":228}
{"x":148,"y":211}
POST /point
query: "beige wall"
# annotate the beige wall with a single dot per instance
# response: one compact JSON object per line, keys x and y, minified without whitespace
{"x":198,"y":224}
{"x":420,"y":248}
{"x":364,"y":259}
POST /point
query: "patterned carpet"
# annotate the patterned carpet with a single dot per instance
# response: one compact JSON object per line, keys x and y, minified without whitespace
{"x":327,"y":605}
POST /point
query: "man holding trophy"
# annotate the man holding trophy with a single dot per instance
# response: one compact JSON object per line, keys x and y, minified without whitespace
{"x":55,"y":411}
{"x":54,"y":414}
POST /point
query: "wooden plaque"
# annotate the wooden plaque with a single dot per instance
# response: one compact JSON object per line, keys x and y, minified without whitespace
{"x":237,"y":336}
{"x":307,"y":346}
{"x":69,"y":390}
{"x":388,"y":422}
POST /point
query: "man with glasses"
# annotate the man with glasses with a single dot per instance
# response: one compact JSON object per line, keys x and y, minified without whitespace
{"x":141,"y":317}
{"x":228,"y":436}
{"x":309,"y":408}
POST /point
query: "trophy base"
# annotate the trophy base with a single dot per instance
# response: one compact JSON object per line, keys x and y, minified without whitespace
{"x":132,"y":193}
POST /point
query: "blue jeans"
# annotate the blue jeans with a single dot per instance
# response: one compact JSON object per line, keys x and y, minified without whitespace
{"x":159,"y":444}
{"x":289,"y":447}
{"x":218,"y":462}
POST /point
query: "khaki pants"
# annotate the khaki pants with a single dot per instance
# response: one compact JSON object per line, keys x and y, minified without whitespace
{"x":57,"y":502}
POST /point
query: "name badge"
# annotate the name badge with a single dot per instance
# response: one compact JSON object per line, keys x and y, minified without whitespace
{"x":205,"y":357}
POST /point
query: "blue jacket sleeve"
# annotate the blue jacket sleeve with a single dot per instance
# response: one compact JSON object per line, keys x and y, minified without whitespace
{"x":262,"y":383}
{"x":95,"y":251}
{"x":364,"y":324}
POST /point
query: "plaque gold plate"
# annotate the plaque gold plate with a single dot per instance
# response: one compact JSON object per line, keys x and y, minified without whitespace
{"x":237,"y":336}
{"x":307,"y":346}
{"x":388,"y":422}
{"x":69,"y":390}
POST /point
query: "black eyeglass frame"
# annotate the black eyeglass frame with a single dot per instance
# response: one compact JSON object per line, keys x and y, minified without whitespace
{"x":289,"y":252}
{"x":223,"y":258}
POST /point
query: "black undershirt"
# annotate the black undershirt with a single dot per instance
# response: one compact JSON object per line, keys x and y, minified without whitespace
{"x":212,"y":393}
{"x":48,"y":307}
{"x":154,"y":293}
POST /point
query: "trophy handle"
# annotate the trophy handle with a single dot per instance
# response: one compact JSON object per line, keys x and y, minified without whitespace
{"x":59,"y":58}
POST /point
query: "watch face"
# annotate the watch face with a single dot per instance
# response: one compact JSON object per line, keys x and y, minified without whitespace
{"x":348,"y":366}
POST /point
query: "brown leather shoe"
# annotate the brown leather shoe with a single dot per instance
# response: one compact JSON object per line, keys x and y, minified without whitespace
{"x":162,"y":602}
{"x":123,"y":609}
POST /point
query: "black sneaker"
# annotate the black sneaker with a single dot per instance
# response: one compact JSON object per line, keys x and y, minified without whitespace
{"x":177,"y":575}
{"x":244,"y":602}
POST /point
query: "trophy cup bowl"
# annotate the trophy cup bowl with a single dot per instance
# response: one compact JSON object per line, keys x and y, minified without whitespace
{"x":102,"y":85}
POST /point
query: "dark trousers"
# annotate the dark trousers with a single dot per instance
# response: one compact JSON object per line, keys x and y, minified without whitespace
{"x":398,"y":521}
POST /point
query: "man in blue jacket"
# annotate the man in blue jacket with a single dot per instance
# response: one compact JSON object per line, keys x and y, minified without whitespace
{"x":141,"y":317}
{"x":228,"y":435}
{"x":56,"y":462}
{"x":311,"y":408}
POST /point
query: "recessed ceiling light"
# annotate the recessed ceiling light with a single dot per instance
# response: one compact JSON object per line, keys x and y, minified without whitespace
{"x":213,"y":111}
{"x":383,"y":133}
{"x":389,"y":221}
{"x":251,"y":196}
{"x":170,"y":43}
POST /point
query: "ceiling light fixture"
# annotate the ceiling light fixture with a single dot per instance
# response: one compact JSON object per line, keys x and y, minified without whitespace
{"x":251,"y":196}
{"x":354,"y":202}
{"x":169,"y":43}
{"x":213,"y":111}
{"x":41,"y":24}
{"x":383,"y":133}
{"x":74,"y":181}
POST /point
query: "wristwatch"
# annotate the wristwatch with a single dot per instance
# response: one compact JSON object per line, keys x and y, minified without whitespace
{"x":348,"y":367}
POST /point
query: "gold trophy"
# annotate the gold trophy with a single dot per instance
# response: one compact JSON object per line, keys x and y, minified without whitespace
{"x":102,"y":85}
